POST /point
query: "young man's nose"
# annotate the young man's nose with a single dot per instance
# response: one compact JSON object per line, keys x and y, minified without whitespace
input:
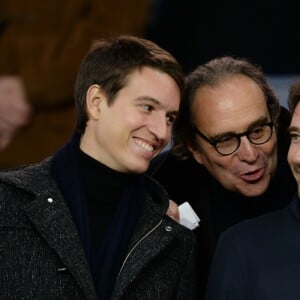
{"x":160,"y":128}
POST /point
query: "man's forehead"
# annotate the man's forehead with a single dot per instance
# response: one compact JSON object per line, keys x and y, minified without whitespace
{"x":297,"y":108}
{"x":229,"y":114}
{"x":295,"y":122}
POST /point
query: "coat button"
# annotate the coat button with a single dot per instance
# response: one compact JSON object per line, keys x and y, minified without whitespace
{"x":50,"y":200}
{"x":168,"y":228}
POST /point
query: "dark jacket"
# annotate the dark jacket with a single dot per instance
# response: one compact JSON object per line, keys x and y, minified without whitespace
{"x":218,"y":209}
{"x":258,"y":259}
{"x":41,"y":255}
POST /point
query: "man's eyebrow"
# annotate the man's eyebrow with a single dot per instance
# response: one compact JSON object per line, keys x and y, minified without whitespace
{"x":293,"y":129}
{"x":147,"y":98}
{"x":156,"y":102}
{"x":259,"y":121}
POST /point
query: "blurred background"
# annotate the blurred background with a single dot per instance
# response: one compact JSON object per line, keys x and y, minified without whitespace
{"x":43,"y":42}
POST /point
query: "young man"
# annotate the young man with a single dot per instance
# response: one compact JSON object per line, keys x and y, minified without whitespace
{"x":258,"y":259}
{"x":87,"y":223}
{"x":229,"y":155}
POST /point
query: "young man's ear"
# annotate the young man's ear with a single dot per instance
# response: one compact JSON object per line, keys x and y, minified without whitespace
{"x":94,"y":99}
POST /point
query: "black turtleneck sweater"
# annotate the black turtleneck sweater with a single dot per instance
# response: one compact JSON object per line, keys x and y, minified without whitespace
{"x":103,"y":187}
{"x":105,"y":206}
{"x":113,"y":201}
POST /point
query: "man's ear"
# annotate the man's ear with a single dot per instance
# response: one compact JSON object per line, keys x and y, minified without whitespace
{"x":94,"y":99}
{"x":196,"y":154}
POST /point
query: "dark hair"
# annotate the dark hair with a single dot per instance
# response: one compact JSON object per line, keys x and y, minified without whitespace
{"x":294,"y":96}
{"x":212,"y":74}
{"x":109,"y":63}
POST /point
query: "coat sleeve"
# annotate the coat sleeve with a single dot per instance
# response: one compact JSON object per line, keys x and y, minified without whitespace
{"x":227,"y":273}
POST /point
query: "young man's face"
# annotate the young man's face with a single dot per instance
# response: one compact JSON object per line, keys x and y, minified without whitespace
{"x":126,"y":135}
{"x":234,"y":106}
{"x":294,"y":150}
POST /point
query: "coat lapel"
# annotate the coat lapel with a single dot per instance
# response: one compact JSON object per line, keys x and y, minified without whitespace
{"x":47,"y":210}
{"x":141,"y":252}
{"x":53,"y":221}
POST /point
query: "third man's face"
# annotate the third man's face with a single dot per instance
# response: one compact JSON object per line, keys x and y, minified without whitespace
{"x":294,"y":150}
{"x":234,"y":106}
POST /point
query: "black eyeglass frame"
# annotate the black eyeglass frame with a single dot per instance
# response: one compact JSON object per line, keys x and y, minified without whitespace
{"x":238,"y":136}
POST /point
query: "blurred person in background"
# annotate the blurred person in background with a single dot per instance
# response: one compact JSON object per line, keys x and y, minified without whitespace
{"x":15,"y":111}
{"x":42,"y":44}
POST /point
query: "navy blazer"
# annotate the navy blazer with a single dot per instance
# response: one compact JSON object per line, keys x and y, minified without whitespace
{"x":258,"y":259}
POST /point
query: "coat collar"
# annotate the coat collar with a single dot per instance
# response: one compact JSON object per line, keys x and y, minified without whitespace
{"x":47,"y":210}
{"x":153,"y":223}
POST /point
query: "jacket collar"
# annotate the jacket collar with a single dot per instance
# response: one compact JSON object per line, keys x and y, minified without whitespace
{"x":47,"y":210}
{"x":154,"y":232}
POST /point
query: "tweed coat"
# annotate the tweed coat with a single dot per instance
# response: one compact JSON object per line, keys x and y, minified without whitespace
{"x":41,"y":256}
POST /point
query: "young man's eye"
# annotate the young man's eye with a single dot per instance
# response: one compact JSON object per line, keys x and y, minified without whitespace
{"x":147,"y":107}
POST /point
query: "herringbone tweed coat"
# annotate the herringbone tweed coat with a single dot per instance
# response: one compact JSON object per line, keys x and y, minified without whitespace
{"x":41,"y":256}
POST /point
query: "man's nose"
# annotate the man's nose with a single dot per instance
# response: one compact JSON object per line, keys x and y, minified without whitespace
{"x":160,"y":128}
{"x":247,"y":151}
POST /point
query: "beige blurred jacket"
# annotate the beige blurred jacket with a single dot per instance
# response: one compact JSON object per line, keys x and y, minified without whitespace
{"x":44,"y":43}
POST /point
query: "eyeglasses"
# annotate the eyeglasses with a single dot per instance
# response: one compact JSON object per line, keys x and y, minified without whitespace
{"x":257,"y":135}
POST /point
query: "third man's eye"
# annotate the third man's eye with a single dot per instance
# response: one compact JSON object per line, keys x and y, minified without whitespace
{"x":295,"y":136}
{"x":170,"y":120}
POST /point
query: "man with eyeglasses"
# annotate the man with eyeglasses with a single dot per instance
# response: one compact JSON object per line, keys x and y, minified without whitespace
{"x":258,"y":259}
{"x":228,"y":159}
{"x":226,"y":145}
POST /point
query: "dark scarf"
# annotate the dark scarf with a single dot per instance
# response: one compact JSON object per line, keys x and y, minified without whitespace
{"x":106,"y":264}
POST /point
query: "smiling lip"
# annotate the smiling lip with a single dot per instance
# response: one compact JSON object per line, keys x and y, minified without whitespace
{"x":148,"y":150}
{"x":253,"y":176}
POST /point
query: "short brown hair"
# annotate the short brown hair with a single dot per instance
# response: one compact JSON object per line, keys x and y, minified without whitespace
{"x":294,"y":96}
{"x":109,"y":63}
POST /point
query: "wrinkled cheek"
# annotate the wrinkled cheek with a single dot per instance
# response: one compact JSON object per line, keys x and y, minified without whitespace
{"x":227,"y":176}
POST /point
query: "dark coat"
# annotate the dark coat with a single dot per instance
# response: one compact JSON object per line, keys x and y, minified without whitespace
{"x":41,"y":255}
{"x":258,"y":259}
{"x":218,"y":209}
